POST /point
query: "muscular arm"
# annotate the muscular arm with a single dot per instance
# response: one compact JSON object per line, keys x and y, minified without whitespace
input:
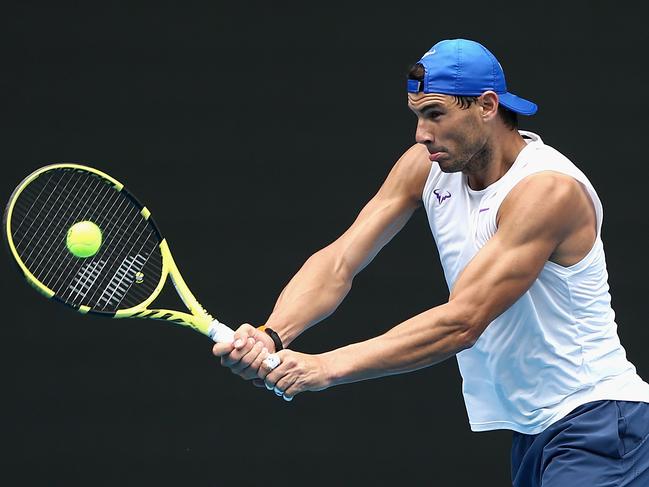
{"x":326,"y":277}
{"x":545,"y":217}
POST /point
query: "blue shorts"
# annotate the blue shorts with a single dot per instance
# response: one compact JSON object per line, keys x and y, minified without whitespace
{"x":601,"y":443}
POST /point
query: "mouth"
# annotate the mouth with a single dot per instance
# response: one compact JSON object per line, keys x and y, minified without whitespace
{"x":434,"y":156}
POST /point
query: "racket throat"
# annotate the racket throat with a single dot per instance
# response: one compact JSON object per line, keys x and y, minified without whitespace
{"x":216,"y":330}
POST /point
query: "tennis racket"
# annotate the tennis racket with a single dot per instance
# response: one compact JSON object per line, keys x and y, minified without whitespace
{"x":129,"y":269}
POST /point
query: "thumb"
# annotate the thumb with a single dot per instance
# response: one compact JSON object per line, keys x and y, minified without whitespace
{"x":220,"y":349}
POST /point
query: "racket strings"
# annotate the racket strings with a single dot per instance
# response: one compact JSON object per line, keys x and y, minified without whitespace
{"x":59,"y":258}
{"x":39,"y":185}
{"x":52,"y":251}
{"x":46,"y":209}
{"x":123,"y":258}
{"x":125,"y":276}
{"x":138,"y":290}
{"x":97,"y":276}
{"x":105,"y":221}
{"x":35,"y":229}
{"x":62,"y":213}
{"x":37,"y":252}
{"x":120,"y":262}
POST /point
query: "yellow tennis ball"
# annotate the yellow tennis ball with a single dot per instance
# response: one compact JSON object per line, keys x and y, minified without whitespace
{"x":84,"y":239}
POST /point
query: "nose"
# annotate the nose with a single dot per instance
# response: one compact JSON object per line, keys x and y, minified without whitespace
{"x":424,"y":134}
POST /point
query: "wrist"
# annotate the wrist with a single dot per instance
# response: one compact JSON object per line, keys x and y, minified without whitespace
{"x":332,"y":368}
{"x":274,"y":336}
{"x":283,"y":326}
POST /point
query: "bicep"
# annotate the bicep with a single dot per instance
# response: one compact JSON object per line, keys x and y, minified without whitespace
{"x":498,"y":275}
{"x":538,"y":217}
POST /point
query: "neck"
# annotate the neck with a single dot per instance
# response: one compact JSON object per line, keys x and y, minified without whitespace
{"x":498,"y":158}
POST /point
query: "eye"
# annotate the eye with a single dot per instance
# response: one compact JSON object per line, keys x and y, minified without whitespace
{"x":433,"y":114}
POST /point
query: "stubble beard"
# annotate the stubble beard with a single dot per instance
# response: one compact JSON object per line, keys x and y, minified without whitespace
{"x":471,"y":164}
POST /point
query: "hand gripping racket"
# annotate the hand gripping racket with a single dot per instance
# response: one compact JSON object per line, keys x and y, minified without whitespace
{"x":128,"y":270}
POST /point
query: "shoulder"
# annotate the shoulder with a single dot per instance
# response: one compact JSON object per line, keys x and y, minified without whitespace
{"x":548,"y":200}
{"x":545,"y":186}
{"x":408,"y":175}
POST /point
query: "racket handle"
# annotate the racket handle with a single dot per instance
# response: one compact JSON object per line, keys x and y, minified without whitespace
{"x":221,"y":333}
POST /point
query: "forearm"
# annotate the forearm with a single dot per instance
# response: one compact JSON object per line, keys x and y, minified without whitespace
{"x":311,"y":295}
{"x":421,"y":341}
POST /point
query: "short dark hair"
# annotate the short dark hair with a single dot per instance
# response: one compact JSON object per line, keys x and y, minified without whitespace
{"x":509,"y":117}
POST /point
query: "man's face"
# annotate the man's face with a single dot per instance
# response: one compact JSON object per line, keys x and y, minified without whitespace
{"x":455,"y":137}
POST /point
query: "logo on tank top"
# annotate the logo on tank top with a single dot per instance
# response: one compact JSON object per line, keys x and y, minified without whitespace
{"x":441,"y":197}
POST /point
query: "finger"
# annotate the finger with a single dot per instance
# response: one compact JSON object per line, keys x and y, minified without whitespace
{"x":276,"y":374}
{"x":272,"y":361}
{"x":265,"y":366}
{"x":246,"y":361}
{"x":220,"y":349}
{"x":254,"y":366}
{"x":258,"y":383}
{"x":291,"y":392}
{"x":262,"y":336}
{"x":254,"y":354}
{"x":245,"y":350}
{"x":271,"y":379}
{"x":274,"y":377}
{"x":241,"y":335}
{"x":237,"y":354}
{"x":283,"y":384}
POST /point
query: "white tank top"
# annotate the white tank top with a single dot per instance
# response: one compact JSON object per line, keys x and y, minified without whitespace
{"x":557,"y":346}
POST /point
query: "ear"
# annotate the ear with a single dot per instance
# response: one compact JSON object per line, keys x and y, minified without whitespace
{"x":488,"y":102}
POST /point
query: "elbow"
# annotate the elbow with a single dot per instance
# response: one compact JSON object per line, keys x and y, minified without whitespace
{"x":343,"y":273}
{"x":467,"y":336}
{"x":468,"y":326}
{"x":339,"y":274}
{"x":338,"y":266}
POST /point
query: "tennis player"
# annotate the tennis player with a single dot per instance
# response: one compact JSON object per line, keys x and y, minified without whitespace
{"x":529,"y":317}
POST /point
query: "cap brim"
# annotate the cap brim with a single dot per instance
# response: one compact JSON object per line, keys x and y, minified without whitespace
{"x":517,"y":104}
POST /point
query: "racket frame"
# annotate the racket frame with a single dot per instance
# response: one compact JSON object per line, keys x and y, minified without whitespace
{"x":199,"y":319}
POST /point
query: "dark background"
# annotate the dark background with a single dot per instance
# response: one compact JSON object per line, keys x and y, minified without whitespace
{"x":255,"y":133}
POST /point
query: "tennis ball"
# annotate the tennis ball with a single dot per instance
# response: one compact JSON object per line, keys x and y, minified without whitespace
{"x":84,"y":239}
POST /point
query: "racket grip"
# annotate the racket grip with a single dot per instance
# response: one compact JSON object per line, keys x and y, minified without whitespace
{"x":221,"y":333}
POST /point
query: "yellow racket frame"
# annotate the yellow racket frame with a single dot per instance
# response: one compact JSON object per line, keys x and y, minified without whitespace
{"x":199,"y":319}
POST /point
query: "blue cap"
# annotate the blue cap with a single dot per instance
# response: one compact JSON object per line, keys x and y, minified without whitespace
{"x":466,"y":68}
